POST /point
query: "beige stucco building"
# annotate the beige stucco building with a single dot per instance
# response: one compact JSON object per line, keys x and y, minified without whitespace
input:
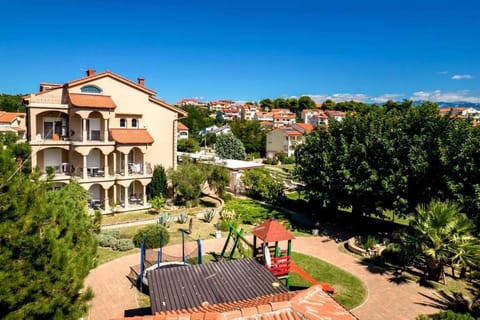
{"x":104,"y":131}
{"x":286,"y":139}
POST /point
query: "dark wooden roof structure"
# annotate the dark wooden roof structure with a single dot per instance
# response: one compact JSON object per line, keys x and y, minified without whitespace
{"x":193,"y":286}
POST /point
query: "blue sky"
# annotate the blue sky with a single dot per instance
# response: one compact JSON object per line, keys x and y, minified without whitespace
{"x":248,"y":50}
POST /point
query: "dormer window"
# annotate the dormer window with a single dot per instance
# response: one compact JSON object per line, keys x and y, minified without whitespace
{"x":134,"y":123}
{"x":123,"y":123}
{"x":90,"y":89}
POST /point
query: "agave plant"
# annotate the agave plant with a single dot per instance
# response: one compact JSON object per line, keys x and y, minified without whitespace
{"x":209,"y":215}
{"x":182,"y":217}
{"x":164,"y":219}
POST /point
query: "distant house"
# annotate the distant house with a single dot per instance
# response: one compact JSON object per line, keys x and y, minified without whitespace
{"x":460,"y":112}
{"x":215,"y":130}
{"x":13,"y":122}
{"x":218,"y":105}
{"x":230,"y":113}
{"x":247,"y":112}
{"x":314,"y":117}
{"x":335,"y":114}
{"x":182,"y":131}
{"x":285,"y":140}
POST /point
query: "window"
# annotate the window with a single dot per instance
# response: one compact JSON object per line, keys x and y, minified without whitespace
{"x":134,"y":123}
{"x":91,"y":89}
{"x":123,"y":123}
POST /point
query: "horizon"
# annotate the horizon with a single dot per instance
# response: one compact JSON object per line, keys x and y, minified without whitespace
{"x":247,"y":51}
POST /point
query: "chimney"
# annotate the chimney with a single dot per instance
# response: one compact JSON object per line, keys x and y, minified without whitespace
{"x":90,"y":72}
{"x":141,"y":81}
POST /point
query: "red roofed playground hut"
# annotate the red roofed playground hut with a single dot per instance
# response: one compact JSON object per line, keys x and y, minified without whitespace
{"x":278,"y":261}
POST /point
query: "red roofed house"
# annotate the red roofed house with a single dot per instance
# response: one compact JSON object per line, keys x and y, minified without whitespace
{"x":13,"y":122}
{"x":107,"y":133}
{"x":182,"y":131}
{"x":285,"y":139}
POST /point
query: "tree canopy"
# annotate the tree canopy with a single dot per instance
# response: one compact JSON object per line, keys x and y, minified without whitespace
{"x":229,"y":147}
{"x":47,"y":246}
{"x":251,"y":134}
{"x":392,"y":157}
{"x":11,"y":103}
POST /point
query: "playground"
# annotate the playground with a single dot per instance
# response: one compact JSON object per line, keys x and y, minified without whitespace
{"x":116,"y":297}
{"x":271,"y":247}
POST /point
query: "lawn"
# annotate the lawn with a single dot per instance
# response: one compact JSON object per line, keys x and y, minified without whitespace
{"x":200,"y":229}
{"x":349,"y":290}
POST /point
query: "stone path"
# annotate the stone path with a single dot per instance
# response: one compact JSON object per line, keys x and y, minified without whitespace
{"x":386,"y":299}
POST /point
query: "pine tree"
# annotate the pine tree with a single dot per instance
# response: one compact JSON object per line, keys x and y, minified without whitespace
{"x":47,"y":247}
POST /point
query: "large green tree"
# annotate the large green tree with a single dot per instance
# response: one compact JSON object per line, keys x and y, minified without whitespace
{"x":251,"y":134}
{"x":229,"y":147}
{"x":47,"y":246}
{"x":392,"y":157}
{"x":259,"y":184}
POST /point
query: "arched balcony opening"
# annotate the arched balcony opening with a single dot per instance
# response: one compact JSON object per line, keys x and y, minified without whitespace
{"x":51,"y":126}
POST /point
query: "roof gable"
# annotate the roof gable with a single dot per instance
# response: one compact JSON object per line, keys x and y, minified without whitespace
{"x":271,"y":231}
{"x":113,"y":76}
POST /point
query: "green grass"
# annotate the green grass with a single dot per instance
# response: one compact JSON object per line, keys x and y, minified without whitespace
{"x":105,"y":255}
{"x":252,"y":212}
{"x":349,"y":290}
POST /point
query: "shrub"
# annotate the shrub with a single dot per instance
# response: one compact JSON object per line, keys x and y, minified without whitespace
{"x":182,"y":217}
{"x":371,"y":242}
{"x":209,"y":215}
{"x":124,"y":245}
{"x":106,"y":241}
{"x":153,"y":233}
{"x":158,"y":202}
{"x":115,"y":233}
{"x":288,"y":160}
{"x":164,"y":219}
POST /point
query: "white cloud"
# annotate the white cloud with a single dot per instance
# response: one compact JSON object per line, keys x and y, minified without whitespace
{"x":453,"y":96}
{"x":339,"y":97}
{"x":387,"y":96}
{"x":443,"y":72}
{"x":462,"y":76}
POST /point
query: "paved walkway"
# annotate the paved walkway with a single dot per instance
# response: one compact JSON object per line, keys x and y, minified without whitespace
{"x":386,"y":299}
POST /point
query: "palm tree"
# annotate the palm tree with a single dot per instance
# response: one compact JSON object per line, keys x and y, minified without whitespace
{"x":441,"y":234}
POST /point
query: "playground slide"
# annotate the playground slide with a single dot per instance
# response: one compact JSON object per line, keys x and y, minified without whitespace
{"x":302,"y":273}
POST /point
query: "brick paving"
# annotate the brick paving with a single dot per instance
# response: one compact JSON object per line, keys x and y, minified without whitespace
{"x":386,"y":300}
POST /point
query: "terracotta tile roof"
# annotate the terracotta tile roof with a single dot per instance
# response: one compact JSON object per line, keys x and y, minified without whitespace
{"x":309,"y":304}
{"x":131,"y":136}
{"x":305,"y":126}
{"x":9,"y":117}
{"x":181,"y":126}
{"x":266,"y":123}
{"x":292,"y":132}
{"x":271,"y":231}
{"x":82,"y":100}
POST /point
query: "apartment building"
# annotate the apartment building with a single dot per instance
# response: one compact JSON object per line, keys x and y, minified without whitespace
{"x":286,"y":139}
{"x":104,"y":131}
